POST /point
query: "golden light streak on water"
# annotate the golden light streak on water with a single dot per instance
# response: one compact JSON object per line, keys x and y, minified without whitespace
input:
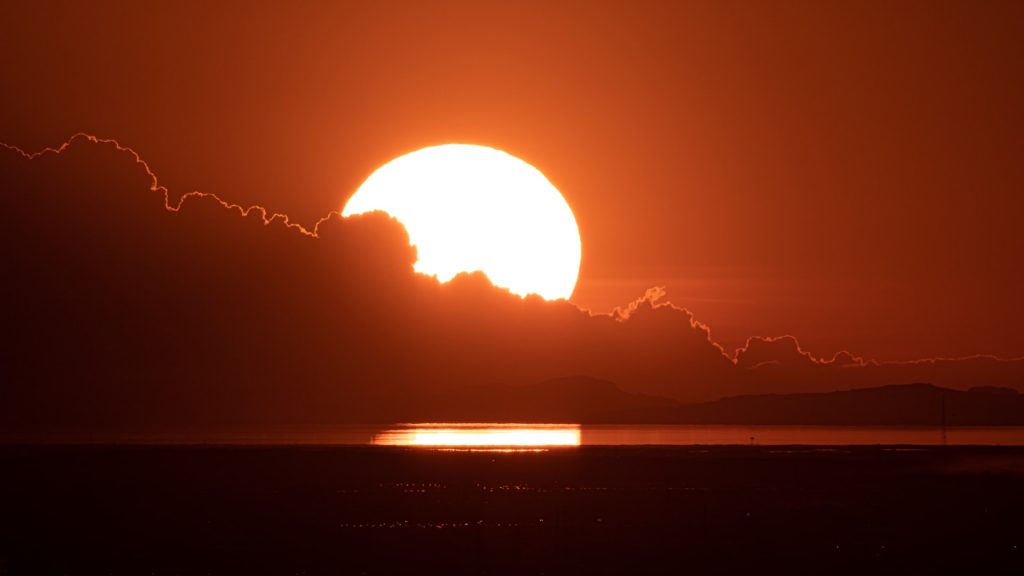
{"x":490,"y":436}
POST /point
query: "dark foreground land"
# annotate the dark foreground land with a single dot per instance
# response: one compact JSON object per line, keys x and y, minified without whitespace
{"x":593,"y":510}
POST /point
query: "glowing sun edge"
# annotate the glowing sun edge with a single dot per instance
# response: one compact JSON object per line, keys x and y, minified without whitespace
{"x":522,"y":234}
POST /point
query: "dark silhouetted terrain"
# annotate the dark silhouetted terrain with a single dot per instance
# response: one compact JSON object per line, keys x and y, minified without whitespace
{"x":589,"y":401}
{"x":305,"y":510}
{"x":572,"y":399}
{"x":898,"y":405}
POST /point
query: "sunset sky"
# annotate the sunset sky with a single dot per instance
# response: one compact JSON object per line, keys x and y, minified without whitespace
{"x":511,"y":287}
{"x":845,"y":173}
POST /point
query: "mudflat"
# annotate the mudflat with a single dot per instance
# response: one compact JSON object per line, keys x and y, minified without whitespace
{"x":105,"y":509}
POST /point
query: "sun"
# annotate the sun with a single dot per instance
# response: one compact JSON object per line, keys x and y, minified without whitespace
{"x":474,"y":208}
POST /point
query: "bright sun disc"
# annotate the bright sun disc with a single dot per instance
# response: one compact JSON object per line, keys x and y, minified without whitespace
{"x":472,"y":208}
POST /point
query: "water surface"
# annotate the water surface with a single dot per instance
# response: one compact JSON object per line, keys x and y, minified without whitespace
{"x":448,"y":435}
{"x":567,"y":434}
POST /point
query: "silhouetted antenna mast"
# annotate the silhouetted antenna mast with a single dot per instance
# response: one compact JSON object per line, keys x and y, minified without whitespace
{"x":942,"y":404}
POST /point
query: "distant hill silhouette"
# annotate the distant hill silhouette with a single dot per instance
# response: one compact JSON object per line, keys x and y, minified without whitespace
{"x":897,"y":405}
{"x":589,"y":400}
{"x":571,"y":399}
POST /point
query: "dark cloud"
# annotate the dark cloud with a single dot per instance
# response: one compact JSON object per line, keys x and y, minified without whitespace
{"x":845,"y":358}
{"x":761,"y":352}
{"x":128,"y":310}
{"x":777,"y":351}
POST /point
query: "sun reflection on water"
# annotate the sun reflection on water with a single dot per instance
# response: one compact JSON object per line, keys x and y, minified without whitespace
{"x":504,"y":437}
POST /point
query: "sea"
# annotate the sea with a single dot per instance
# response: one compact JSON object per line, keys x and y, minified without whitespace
{"x":447,"y":435}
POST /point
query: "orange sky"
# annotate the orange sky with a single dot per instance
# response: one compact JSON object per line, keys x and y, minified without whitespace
{"x":848,"y":173}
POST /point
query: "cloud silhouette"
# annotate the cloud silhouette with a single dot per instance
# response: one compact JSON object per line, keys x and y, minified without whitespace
{"x":845,"y":358}
{"x":130,"y":311}
{"x":760,"y":351}
{"x":780,"y":351}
